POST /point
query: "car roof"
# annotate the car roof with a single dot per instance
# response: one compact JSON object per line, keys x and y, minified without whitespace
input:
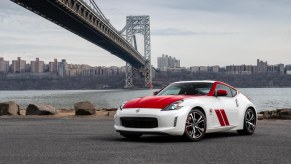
{"x":197,"y":81}
{"x":205,"y":81}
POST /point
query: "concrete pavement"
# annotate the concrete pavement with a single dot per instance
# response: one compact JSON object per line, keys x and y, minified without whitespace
{"x":90,"y":140}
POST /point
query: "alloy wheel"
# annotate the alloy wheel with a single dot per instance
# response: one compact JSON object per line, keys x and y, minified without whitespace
{"x":195,"y":125}
{"x":250,"y":121}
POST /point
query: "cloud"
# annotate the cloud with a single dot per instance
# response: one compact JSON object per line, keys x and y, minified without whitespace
{"x":224,"y":28}
{"x":182,"y":32}
{"x":249,"y":7}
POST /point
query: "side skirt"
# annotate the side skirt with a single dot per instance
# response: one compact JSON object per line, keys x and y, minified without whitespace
{"x":221,"y":129}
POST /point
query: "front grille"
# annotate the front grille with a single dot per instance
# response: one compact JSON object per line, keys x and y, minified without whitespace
{"x":139,"y":122}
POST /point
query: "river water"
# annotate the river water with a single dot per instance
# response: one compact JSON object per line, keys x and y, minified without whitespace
{"x":263,"y":98}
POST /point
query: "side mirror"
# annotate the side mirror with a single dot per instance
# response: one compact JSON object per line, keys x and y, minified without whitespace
{"x":156,"y":92}
{"x":221,"y":93}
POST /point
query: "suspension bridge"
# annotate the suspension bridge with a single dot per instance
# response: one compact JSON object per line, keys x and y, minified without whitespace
{"x":85,"y":19}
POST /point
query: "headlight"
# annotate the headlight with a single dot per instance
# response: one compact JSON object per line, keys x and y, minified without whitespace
{"x":174,"y":106}
{"x":121,"y":106}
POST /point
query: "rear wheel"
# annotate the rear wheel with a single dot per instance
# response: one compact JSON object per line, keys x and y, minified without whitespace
{"x":249,"y":123}
{"x":195,"y":127}
{"x":131,"y":136}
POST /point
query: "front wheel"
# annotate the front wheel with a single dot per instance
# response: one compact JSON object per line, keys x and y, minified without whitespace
{"x":195,"y":127}
{"x":249,"y":123}
{"x":131,"y":136}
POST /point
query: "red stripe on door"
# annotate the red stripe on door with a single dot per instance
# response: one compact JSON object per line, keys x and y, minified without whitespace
{"x":219,"y":116}
{"x":224,"y":117}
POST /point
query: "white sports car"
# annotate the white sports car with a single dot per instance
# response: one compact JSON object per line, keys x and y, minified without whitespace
{"x":189,"y":109}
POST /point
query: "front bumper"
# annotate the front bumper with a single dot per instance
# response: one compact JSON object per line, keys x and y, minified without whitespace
{"x":169,"y":122}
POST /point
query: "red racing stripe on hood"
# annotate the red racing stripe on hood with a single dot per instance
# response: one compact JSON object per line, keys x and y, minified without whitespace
{"x":157,"y":102}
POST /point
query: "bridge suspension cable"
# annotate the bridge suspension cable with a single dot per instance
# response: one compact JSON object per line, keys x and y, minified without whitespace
{"x":96,"y":9}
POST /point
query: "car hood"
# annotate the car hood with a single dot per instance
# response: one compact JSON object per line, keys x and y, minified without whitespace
{"x":156,"y":102}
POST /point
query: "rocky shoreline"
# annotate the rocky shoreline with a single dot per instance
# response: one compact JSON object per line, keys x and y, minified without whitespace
{"x":84,"y":108}
{"x":281,"y":114}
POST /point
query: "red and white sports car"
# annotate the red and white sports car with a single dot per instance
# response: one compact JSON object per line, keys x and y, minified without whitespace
{"x":189,"y":109}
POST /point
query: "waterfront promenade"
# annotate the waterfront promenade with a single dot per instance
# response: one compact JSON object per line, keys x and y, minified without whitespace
{"x":93,"y":140}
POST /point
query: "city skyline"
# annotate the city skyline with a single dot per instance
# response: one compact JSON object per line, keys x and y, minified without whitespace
{"x":60,"y":68}
{"x":165,"y":60}
{"x":244,"y":31}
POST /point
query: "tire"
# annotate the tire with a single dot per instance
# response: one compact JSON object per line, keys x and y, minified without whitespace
{"x":131,"y":136}
{"x":249,"y":123}
{"x":195,"y":126}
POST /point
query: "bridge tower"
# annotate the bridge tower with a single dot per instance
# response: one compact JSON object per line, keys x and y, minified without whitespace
{"x":134,"y":25}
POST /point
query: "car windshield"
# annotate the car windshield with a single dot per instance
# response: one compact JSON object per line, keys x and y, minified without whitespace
{"x":194,"y":88}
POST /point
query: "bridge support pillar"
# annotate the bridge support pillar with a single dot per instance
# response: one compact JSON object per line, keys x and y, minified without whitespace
{"x":128,"y":76}
{"x":134,"y":25}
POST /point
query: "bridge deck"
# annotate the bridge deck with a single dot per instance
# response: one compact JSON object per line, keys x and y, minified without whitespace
{"x":58,"y":14}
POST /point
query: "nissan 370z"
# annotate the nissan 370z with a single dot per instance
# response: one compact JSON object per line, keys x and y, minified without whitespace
{"x":188,"y":108}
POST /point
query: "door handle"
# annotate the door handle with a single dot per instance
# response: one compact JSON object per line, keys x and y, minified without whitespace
{"x":236,"y":102}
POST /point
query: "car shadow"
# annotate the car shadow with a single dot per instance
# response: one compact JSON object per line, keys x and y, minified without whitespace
{"x":165,"y":138}
{"x":219,"y":135}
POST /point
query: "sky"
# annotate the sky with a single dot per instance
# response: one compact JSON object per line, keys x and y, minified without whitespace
{"x":198,"y":32}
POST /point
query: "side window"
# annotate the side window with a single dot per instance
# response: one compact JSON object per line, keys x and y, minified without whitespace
{"x":223,"y":87}
{"x":233,"y":92}
{"x":172,"y":91}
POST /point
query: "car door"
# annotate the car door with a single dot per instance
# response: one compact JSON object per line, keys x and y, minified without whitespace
{"x":226,"y":110}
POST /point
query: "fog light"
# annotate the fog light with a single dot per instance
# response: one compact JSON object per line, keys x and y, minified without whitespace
{"x":175,"y":121}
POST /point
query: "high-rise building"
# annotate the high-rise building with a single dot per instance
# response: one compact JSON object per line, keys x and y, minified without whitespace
{"x":240,"y":69}
{"x":4,"y":66}
{"x":288,"y":69}
{"x":163,"y":62}
{"x":205,"y":68}
{"x":53,"y":66}
{"x":62,"y":68}
{"x":18,"y":66}
{"x":215,"y":68}
{"x":281,"y":68}
{"x":166,"y":62}
{"x":194,"y":69}
{"x":262,"y":66}
{"x":37,"y":66}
